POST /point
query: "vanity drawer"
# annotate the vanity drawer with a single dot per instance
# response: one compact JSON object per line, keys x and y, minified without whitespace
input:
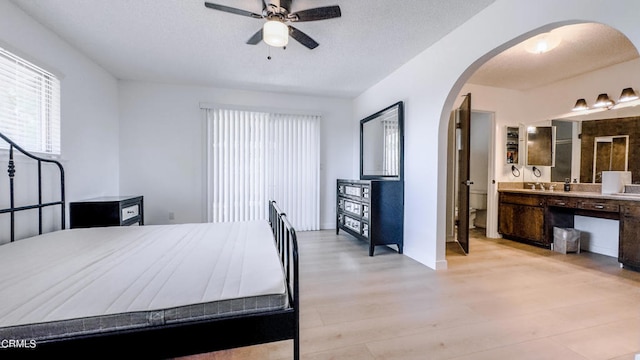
{"x":631,"y":211}
{"x":562,"y":202}
{"x":599,"y":206}
{"x":522,"y":199}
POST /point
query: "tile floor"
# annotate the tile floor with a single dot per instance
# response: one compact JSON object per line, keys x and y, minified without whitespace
{"x":505,"y":300}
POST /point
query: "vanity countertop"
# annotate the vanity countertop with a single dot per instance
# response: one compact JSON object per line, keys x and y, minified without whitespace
{"x":577,"y":194}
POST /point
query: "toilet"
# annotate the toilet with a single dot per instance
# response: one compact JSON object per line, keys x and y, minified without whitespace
{"x":477,"y":209}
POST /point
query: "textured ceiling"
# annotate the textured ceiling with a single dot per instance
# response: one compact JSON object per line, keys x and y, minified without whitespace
{"x":583,"y":48}
{"x":181,"y":41}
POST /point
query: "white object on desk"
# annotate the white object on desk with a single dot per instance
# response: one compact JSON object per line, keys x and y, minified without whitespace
{"x":614,"y":181}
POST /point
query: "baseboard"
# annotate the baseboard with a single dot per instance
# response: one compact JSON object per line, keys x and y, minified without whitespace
{"x":441,"y":265}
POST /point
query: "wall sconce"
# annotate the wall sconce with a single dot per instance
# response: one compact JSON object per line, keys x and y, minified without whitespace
{"x":603,"y":100}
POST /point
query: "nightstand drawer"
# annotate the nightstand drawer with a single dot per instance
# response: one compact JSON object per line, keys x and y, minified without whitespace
{"x":130,"y":212}
{"x":107,"y":211}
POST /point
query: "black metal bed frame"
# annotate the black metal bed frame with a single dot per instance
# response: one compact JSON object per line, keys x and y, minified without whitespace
{"x":171,"y":340}
{"x":11,"y":171}
{"x":168,"y":341}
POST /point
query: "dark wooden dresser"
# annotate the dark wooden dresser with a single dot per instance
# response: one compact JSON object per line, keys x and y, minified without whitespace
{"x":371,"y":210}
{"x":107,"y":211}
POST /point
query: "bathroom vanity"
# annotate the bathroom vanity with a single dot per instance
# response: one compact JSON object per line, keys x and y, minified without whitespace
{"x":530,"y":215}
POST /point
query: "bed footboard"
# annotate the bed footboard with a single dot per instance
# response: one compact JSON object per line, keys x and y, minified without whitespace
{"x":287,"y":244}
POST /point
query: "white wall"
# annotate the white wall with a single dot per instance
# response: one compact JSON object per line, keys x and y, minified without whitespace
{"x":554,"y":100}
{"x":431,"y":81}
{"x":89,"y":108}
{"x":162,"y":144}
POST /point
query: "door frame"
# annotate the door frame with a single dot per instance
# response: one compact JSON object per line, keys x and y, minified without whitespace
{"x":463,"y":175}
{"x":492,"y":186}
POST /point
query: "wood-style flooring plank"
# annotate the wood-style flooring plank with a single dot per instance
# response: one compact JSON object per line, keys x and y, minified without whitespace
{"x":504,"y":300}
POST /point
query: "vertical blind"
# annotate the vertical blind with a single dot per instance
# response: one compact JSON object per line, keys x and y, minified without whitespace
{"x":254,"y":157}
{"x":29,"y":104}
{"x":391,"y":160}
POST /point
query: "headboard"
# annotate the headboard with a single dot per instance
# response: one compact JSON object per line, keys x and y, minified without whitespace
{"x":11,"y":171}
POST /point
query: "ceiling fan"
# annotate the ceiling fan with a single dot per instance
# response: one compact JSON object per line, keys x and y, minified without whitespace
{"x":275,"y":31}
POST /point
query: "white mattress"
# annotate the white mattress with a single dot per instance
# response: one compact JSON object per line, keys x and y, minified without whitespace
{"x":102,"y":279}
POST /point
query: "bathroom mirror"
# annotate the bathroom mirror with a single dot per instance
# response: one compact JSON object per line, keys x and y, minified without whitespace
{"x":381,"y":144}
{"x":585,"y":130}
{"x":610,"y":153}
{"x":541,"y":145}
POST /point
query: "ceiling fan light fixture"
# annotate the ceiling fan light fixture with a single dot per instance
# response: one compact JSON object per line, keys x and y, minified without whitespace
{"x":581,"y":104}
{"x":275,"y":33}
{"x":628,"y":95}
{"x":603,"y":101}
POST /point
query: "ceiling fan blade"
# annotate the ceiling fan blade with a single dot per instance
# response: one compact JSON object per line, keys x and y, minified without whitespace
{"x":285,"y":4}
{"x":232,"y":10}
{"x":321,"y":13}
{"x":302,"y":38}
{"x":256,"y":38}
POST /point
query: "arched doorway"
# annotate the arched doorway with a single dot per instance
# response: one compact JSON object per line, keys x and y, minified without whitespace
{"x":519,"y":99}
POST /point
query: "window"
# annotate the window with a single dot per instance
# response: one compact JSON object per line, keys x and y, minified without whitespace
{"x":29,"y":105}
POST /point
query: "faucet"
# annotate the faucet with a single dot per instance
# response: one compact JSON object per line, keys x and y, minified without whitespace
{"x":541,"y":186}
{"x":533,"y":186}
{"x":552,"y":187}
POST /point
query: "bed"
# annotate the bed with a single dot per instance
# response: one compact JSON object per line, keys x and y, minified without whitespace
{"x":163,"y":290}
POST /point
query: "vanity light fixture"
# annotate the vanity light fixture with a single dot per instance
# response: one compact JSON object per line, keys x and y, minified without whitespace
{"x":581,"y":104}
{"x":603,"y":100}
{"x":628,"y":95}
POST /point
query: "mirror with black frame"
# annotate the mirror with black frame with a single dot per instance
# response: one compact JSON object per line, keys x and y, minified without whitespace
{"x":381,"y":144}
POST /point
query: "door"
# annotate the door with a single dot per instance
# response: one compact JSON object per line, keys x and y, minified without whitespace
{"x":463,"y":124}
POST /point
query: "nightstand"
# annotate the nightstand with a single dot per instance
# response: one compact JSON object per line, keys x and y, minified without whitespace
{"x":107,"y":211}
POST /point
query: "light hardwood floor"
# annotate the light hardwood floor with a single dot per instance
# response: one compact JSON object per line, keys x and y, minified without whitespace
{"x":505,"y":300}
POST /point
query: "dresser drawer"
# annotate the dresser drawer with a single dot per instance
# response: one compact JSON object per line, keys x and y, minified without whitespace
{"x":599,"y":206}
{"x":130,"y":212}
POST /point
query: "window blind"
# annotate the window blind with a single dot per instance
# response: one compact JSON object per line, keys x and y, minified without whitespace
{"x":29,"y":105}
{"x":257,"y":156}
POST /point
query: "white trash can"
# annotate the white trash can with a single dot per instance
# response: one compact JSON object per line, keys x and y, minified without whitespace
{"x":566,"y":240}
